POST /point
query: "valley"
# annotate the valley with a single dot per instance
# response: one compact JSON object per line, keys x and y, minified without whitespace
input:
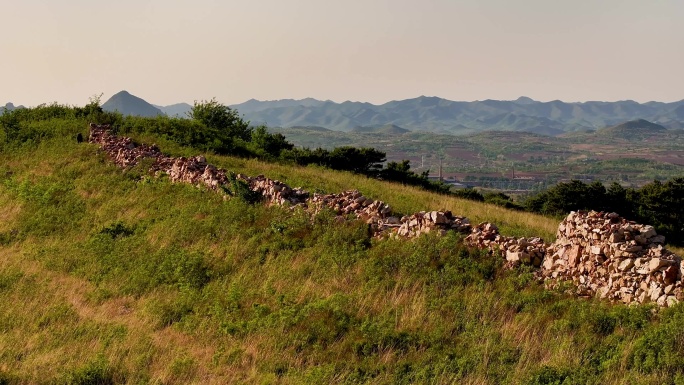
{"x":518,"y":161}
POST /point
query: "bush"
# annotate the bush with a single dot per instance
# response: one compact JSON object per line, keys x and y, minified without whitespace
{"x":240,"y":189}
{"x":661,"y":348}
{"x":548,"y":375}
{"x":221,"y":120}
{"x":96,"y":372}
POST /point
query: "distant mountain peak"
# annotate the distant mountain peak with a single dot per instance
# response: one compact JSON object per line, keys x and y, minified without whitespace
{"x":524,"y":100}
{"x":10,"y":107}
{"x":128,"y":104}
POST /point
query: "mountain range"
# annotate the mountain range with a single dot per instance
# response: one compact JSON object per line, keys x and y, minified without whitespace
{"x":431,"y":114}
{"x":446,"y":116}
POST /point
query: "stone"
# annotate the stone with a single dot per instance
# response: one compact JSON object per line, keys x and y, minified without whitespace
{"x":648,"y":232}
{"x":626,"y":264}
{"x":668,"y":289}
{"x":517,"y":256}
{"x":670,"y":274}
{"x":656,"y":263}
{"x":671,"y":300}
{"x":657,"y":239}
{"x":615,"y":237}
{"x":662,"y":301}
{"x":655,"y":293}
{"x":573,"y":255}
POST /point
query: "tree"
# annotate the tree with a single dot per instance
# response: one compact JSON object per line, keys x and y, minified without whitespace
{"x":566,"y":197}
{"x":10,"y":124}
{"x":271,"y":144}
{"x":366,"y":160}
{"x":222,"y":119}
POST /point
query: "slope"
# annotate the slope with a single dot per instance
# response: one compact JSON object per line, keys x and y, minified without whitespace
{"x":127,"y":278}
{"x":631,"y":129}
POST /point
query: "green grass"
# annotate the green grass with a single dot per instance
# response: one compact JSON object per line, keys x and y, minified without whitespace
{"x":109,"y":276}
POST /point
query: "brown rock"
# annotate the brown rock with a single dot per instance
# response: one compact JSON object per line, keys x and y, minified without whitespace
{"x":573,"y":255}
{"x":657,"y":263}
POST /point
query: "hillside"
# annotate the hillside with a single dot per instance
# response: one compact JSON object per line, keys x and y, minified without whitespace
{"x":128,"y":104}
{"x":390,"y":129}
{"x":118,"y":276}
{"x":632,"y":128}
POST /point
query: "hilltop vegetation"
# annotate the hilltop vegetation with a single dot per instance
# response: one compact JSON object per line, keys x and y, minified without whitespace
{"x":110,"y":276}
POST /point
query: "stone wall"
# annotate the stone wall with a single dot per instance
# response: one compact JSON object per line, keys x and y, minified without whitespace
{"x":597,"y":254}
{"x":517,"y":251}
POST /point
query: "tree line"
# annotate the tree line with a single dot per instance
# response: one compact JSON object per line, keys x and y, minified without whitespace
{"x":660,"y":204}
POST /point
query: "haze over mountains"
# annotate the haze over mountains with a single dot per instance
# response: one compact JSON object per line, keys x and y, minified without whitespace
{"x":430,"y":114}
{"x":441,"y":115}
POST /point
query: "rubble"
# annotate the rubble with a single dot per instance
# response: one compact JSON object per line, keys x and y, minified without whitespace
{"x":125,"y":153}
{"x":605,"y":255}
{"x":516,"y":251}
{"x":274,"y":191}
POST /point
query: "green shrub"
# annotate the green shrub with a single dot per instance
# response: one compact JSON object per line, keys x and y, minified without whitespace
{"x":95,"y":372}
{"x":548,"y":375}
{"x":661,"y":348}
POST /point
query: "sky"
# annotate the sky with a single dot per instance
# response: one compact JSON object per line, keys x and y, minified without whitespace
{"x":171,"y":51}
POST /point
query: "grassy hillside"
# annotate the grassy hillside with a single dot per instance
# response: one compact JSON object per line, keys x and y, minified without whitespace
{"x":111,"y":276}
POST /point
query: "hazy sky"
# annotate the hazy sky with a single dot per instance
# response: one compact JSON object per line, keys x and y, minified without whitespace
{"x":362,"y":50}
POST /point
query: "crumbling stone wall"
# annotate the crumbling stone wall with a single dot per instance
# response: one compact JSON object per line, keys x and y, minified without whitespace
{"x":599,"y":254}
{"x":529,"y":251}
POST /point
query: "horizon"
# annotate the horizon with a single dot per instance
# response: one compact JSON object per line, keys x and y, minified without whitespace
{"x":103,"y":100}
{"x":369,"y":51}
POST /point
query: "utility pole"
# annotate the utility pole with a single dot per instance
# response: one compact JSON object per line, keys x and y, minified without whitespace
{"x":440,"y":170}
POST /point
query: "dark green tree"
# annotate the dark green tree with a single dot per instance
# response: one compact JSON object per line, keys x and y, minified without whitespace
{"x":271,"y":145}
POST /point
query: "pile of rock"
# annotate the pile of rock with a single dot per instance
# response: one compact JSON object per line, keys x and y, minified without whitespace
{"x":516,"y":250}
{"x":352,"y":202}
{"x":274,"y":191}
{"x":125,"y":153}
{"x":603,"y":254}
{"x":377,"y":214}
{"x":122,"y":151}
{"x":194,"y":170}
{"x":427,"y":221}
